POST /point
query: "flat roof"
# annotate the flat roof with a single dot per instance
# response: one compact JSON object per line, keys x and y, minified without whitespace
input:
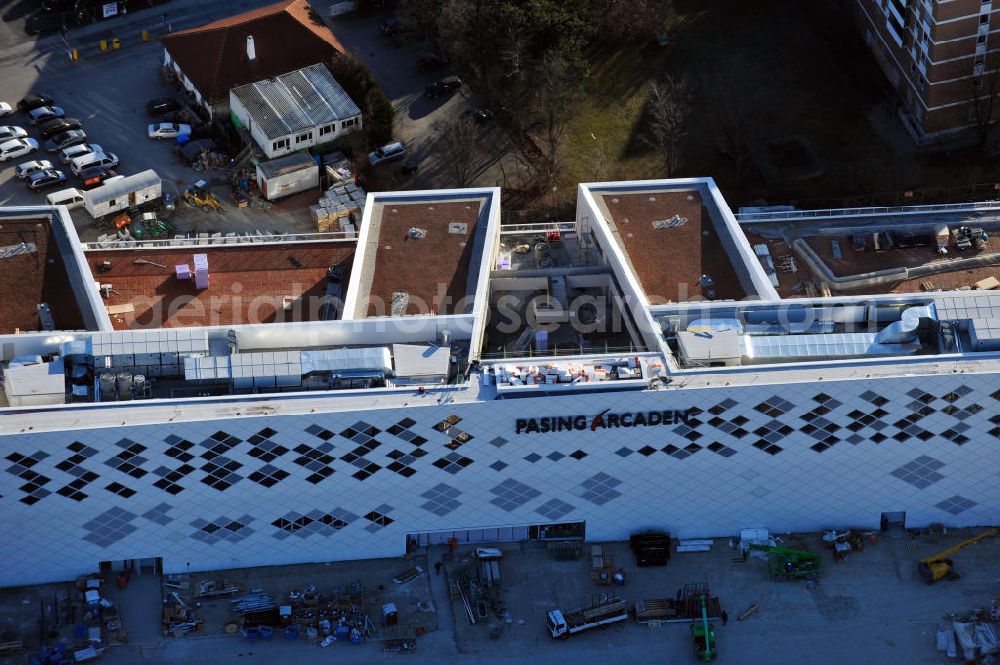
{"x":302,"y":99}
{"x":423,"y":256}
{"x":33,"y":271}
{"x":247,"y":283}
{"x":670,"y":241}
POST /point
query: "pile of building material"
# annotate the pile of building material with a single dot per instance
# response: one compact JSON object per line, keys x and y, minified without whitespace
{"x":971,"y":634}
{"x":339,"y":209}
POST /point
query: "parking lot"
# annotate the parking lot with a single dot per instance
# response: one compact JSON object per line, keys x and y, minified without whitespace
{"x":419,"y":122}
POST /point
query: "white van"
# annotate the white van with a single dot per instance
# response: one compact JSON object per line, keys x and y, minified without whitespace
{"x":107,"y":160}
{"x":71,"y":198}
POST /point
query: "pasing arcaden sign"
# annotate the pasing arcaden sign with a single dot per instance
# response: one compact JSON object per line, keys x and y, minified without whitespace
{"x":603,"y":420}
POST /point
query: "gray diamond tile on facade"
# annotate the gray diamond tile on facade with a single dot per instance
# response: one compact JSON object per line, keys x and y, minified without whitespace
{"x":158,"y":514}
{"x":554,"y":509}
{"x":512,"y":494}
{"x":441,"y":499}
{"x":921,"y":472}
{"x":599,"y":488}
{"x":956,"y":504}
{"x":109,"y":527}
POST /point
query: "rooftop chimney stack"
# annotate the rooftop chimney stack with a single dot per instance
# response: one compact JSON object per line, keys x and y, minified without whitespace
{"x":251,"y":51}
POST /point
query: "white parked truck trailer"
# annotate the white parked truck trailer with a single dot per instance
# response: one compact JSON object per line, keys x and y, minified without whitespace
{"x":133,"y":190}
{"x":601,"y":613}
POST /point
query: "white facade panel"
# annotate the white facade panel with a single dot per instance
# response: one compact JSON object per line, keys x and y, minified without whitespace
{"x":260,"y":490}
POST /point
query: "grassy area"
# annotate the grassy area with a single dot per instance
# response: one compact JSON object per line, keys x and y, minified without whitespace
{"x":783,"y":68}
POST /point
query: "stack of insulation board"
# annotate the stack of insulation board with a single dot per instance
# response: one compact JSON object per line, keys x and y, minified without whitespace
{"x":201,"y":271}
{"x":339,"y":209}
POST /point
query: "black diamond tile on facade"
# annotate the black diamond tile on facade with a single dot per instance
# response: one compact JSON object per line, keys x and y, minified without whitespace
{"x":721,"y":449}
{"x":218,"y":444}
{"x":268,"y":475}
{"x":179,"y":448}
{"x":129,"y":460}
{"x":223,"y":528}
{"x":120,"y":490}
{"x":34,"y":488}
{"x":170,"y":478}
{"x":263,"y":448}
{"x":317,"y":460}
{"x":221,"y":473}
{"x":401,"y":461}
{"x":453,"y":463}
{"x":379,"y":518}
{"x":72,"y":465}
{"x":317,"y":521}
{"x":402,"y":430}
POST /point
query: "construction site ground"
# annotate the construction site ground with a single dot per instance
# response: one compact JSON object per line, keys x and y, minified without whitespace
{"x":871,"y":608}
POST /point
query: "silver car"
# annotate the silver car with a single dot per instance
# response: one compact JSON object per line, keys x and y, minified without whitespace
{"x":27,"y":168}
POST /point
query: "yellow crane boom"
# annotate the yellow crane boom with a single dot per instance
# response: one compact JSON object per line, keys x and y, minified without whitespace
{"x":936,"y":566}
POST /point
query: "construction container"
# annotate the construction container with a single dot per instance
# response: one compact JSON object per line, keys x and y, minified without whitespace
{"x":284,"y":176}
{"x":133,"y":190}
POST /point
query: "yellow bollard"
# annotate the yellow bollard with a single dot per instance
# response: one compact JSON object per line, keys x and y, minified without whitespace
{"x":115,"y":43}
{"x":104,"y":45}
{"x":145,"y":35}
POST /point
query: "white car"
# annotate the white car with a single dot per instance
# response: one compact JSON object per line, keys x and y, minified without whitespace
{"x":17,"y":148}
{"x":8,"y":132}
{"x":24,"y":170}
{"x":5,"y":109}
{"x":43,"y":113}
{"x":167,"y":130}
{"x":74,"y":151}
{"x":108,"y":161}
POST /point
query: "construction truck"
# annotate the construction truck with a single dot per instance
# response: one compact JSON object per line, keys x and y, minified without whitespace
{"x":939,"y":566}
{"x":703,"y":635}
{"x":784,"y":563}
{"x":601,"y":612}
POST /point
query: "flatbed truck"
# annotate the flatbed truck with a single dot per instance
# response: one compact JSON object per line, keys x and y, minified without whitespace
{"x":599,"y":613}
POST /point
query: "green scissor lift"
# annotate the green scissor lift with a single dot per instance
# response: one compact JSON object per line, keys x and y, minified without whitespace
{"x":703,"y":635}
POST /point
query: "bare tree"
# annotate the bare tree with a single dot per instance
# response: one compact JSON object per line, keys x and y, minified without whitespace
{"x":669,"y":105}
{"x":458,"y":148}
{"x":983,"y":94}
{"x":556,"y":90}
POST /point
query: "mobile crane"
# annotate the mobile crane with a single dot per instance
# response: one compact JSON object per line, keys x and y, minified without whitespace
{"x":937,"y":566}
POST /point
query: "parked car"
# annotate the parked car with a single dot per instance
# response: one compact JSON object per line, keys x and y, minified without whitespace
{"x":43,"y":113}
{"x":445,"y":86}
{"x":71,"y":198}
{"x":160,"y":105}
{"x":66,"y":139}
{"x":94,"y":176}
{"x":79,"y":150}
{"x":33,"y":101}
{"x":390,"y":26}
{"x":50,"y":24}
{"x":8,"y":132}
{"x":56,"y":6}
{"x":431,"y":61}
{"x":50,"y":128}
{"x":5,"y":109}
{"x":46,"y":179}
{"x":34,"y":166}
{"x":108,"y":160}
{"x":388,"y":153}
{"x":167,"y":130}
{"x":17,"y":148}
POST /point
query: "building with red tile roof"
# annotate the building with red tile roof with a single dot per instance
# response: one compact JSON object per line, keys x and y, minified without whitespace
{"x":211,"y":59}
